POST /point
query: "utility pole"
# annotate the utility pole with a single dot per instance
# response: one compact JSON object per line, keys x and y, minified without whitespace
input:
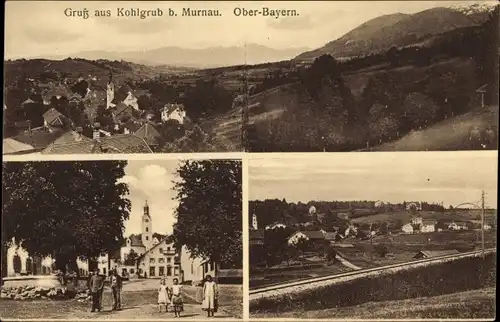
{"x":371,"y":243}
{"x":482,"y":222}
{"x":244,"y":110}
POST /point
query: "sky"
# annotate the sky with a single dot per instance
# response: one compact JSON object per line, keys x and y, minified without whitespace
{"x":449,"y":177}
{"x":151,"y":181}
{"x":35,"y":29}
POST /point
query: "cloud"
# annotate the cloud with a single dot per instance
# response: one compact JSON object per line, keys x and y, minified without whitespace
{"x":151,"y":182}
{"x":295,"y":23}
{"x":50,"y":35}
{"x":128,"y":26}
{"x":449,"y":177}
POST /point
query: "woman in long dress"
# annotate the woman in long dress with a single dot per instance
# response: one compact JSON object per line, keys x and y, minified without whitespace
{"x":177,"y":302}
{"x":210,"y":296}
{"x":162,"y":295}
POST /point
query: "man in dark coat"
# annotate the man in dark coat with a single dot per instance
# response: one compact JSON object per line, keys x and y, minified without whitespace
{"x":96,"y":285}
{"x":115,"y":281}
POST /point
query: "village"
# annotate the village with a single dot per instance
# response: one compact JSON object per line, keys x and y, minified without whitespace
{"x":134,"y":232}
{"x":75,"y":116}
{"x":326,"y":242}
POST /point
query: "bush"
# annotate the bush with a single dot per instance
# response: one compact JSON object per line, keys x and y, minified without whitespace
{"x":424,"y":281}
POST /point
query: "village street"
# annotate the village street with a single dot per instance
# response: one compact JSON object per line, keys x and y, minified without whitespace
{"x":138,"y":302}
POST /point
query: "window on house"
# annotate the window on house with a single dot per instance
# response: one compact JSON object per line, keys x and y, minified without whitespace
{"x":169,"y":271}
{"x":147,"y":229}
{"x":104,"y":271}
{"x":132,"y":271}
{"x":161,"y":250}
{"x":124,"y":271}
{"x":168,"y":248}
{"x":151,"y":260}
{"x":161,"y":260}
{"x":147,"y":238}
{"x":176,"y":271}
{"x":161,"y":271}
{"x":192,"y":268}
{"x":169,"y":259}
{"x":152,"y":271}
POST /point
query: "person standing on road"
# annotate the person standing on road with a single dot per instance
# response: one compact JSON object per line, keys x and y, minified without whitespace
{"x":162,"y":296}
{"x":116,"y":287}
{"x":96,"y":286}
{"x":210,"y":296}
{"x":177,"y":302}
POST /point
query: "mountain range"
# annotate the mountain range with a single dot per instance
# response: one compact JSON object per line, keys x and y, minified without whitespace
{"x":195,"y":58}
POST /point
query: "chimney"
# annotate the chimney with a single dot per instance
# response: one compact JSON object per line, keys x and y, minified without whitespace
{"x":96,"y":134}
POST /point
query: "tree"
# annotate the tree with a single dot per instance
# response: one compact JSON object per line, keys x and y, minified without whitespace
{"x":144,"y":102}
{"x":209,"y":221}
{"x":64,"y":209}
{"x":131,"y":259}
{"x":381,"y":250}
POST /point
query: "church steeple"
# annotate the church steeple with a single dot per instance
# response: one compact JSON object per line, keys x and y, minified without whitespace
{"x":147,"y":225}
{"x":110,"y":91}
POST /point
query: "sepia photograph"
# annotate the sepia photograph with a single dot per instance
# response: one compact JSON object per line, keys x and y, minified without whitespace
{"x":122,"y":240}
{"x":284,"y":77}
{"x":405,"y":235}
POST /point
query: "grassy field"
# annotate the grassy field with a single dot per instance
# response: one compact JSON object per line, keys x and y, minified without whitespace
{"x":448,"y":135}
{"x":262,"y":279}
{"x":477,"y":304}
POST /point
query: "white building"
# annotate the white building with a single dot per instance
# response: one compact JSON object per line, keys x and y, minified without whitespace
{"x":275,"y":226}
{"x":131,"y":101}
{"x":407,"y":229}
{"x":110,"y":94}
{"x":19,"y":262}
{"x":194,"y":269}
{"x":306,"y":235}
{"x":428,"y":226}
{"x":173,"y":112}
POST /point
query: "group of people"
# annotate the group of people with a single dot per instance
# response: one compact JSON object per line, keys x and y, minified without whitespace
{"x":96,"y":287}
{"x":168,"y":296}
{"x":172,"y":296}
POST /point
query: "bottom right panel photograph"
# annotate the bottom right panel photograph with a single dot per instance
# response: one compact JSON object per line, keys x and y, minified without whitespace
{"x":373,"y":235}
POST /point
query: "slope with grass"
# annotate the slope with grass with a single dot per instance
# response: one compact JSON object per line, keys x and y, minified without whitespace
{"x":448,"y":135}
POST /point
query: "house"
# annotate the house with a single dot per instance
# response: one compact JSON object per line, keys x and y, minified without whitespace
{"x":418,"y":221}
{"x":457,"y":225}
{"x":20,"y":262}
{"x":131,"y":101}
{"x":122,"y":113}
{"x":407,"y":229}
{"x":194,"y":269}
{"x":11,"y":146}
{"x":120,"y":143}
{"x":173,"y":112}
{"x":435,"y":253}
{"x":307,"y":235}
{"x":39,"y":138}
{"x":148,"y":133}
{"x":428,"y":226}
{"x":52,"y":118}
{"x":275,"y":226}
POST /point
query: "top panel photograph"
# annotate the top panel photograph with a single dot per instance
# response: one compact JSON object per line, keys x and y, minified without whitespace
{"x":112,"y":77}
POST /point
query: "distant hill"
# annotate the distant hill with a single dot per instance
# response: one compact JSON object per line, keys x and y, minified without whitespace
{"x":196,"y":58}
{"x":45,"y":69}
{"x":397,"y":30}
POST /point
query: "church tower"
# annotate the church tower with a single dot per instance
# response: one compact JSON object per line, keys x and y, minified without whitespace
{"x":110,"y":92}
{"x":147,"y":234}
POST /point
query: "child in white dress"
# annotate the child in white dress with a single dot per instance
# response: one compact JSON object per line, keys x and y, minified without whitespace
{"x":162,"y":295}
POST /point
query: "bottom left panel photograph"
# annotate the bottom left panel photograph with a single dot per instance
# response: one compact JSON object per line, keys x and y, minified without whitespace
{"x":128,"y":239}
